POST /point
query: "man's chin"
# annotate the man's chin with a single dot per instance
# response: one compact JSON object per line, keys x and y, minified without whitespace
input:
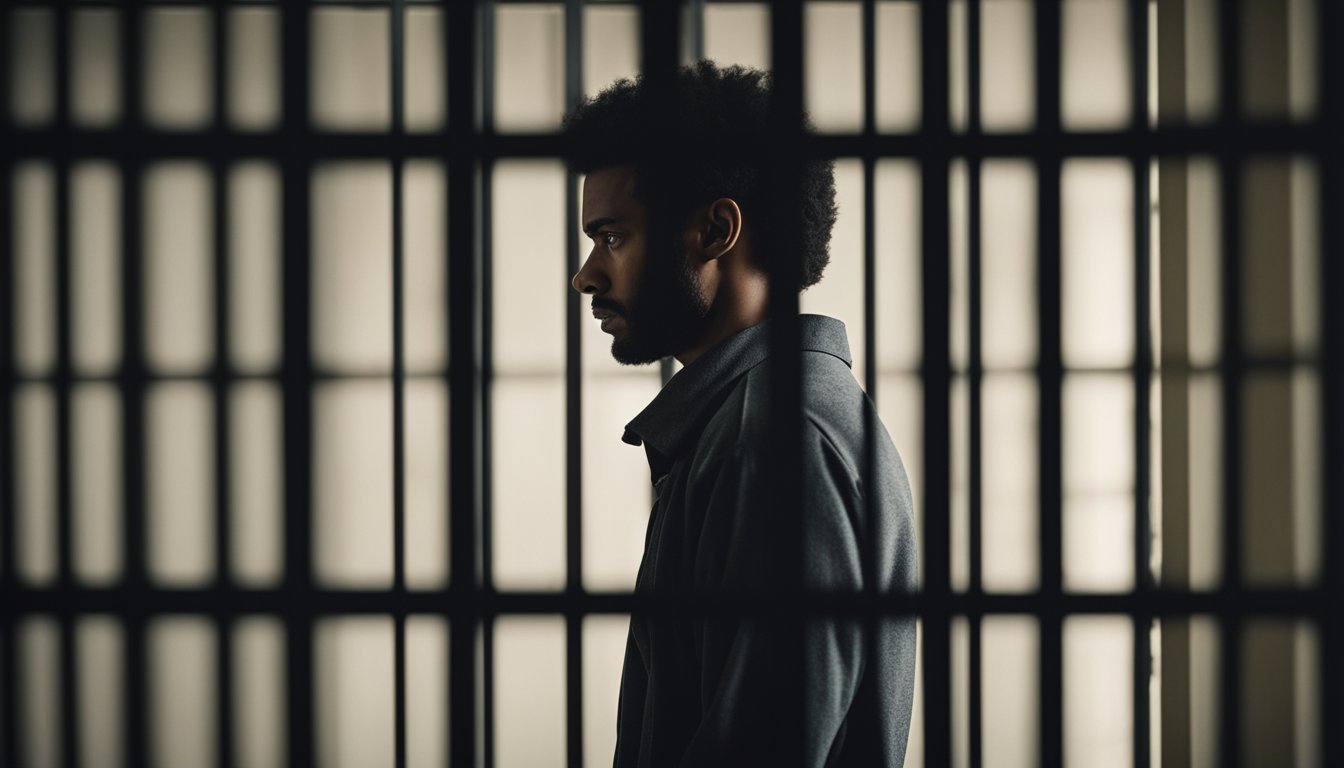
{"x":627,"y":351}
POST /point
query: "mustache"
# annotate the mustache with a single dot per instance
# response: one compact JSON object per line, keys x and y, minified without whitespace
{"x":609,"y":305}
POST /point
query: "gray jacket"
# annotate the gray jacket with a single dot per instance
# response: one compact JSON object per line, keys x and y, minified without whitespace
{"x":702,"y":689}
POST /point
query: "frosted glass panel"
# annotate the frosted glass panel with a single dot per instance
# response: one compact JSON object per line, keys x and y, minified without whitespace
{"x":426,"y":691}
{"x":96,"y":455}
{"x":95,"y":254}
{"x":531,"y":276}
{"x":899,"y":292}
{"x":1008,"y":263}
{"x":1094,"y":64}
{"x":424,"y":187}
{"x":738,"y":33}
{"x":424,"y":67}
{"x":617,"y":490}
{"x":34,"y":289}
{"x":840,"y":292}
{"x":181,"y":484}
{"x":39,"y":685}
{"x":1007,"y":68}
{"x":1010,"y":686}
{"x":254,"y":218}
{"x":99,"y":653}
{"x":256,"y":479}
{"x":259,"y":692}
{"x":426,"y":482}
{"x":352,"y":484}
{"x":529,"y":692}
{"x":898,"y":67}
{"x":32,"y":37}
{"x":616,"y":52}
{"x":354,"y":692}
{"x":1010,"y":536}
{"x":833,"y":66}
{"x":176,"y":71}
{"x":1098,"y":691}
{"x":95,"y":64}
{"x":350,"y":76}
{"x":529,"y":67}
{"x":352,"y":265}
{"x":1097,"y":262}
{"x":35,"y":483}
{"x":253,"y":61}
{"x":182,"y":693}
{"x":529,"y":483}
{"x":603,"y":652}
{"x":178,"y":271}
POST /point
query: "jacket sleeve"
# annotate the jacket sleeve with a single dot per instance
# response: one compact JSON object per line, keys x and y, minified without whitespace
{"x":743,"y":662}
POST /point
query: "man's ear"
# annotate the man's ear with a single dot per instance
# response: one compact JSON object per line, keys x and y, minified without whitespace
{"x":723,"y":227}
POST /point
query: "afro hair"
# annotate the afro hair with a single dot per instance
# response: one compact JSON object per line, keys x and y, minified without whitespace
{"x":688,"y":150}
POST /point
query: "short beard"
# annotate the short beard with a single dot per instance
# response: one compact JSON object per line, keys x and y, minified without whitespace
{"x":668,"y":314}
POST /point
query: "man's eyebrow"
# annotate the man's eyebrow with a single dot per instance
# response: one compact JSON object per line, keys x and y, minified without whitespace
{"x":592,"y":226}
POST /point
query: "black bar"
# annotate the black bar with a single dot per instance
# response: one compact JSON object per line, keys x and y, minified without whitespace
{"x":1246,"y":138}
{"x":9,"y":697}
{"x":396,"y":53}
{"x":297,"y":367}
{"x":1305,"y":603}
{"x":65,"y":433}
{"x":489,"y":43}
{"x":574,"y":40}
{"x":935,"y":267}
{"x":1330,"y":29}
{"x":974,"y":382}
{"x":219,"y":170}
{"x":1051,"y":377}
{"x":786,"y":395}
{"x":133,"y":385}
{"x":1229,"y":81}
{"x":460,"y":33}
{"x":869,"y":27}
{"x":1143,"y":379}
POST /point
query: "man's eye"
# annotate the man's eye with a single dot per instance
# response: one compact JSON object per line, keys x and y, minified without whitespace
{"x":610,"y":238}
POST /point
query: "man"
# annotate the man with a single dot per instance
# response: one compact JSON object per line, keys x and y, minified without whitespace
{"x":683,"y":235}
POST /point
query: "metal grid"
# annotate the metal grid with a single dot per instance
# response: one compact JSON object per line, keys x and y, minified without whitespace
{"x":470,"y":145}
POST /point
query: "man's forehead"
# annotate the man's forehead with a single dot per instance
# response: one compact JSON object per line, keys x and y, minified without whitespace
{"x":609,"y":193}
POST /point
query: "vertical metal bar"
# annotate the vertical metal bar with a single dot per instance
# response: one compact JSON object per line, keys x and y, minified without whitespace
{"x":1331,"y":98}
{"x":871,"y":517}
{"x":1230,"y":166}
{"x":460,"y":35}
{"x":487,"y":272}
{"x":937,"y":378}
{"x":221,"y":378}
{"x":133,"y":381}
{"x":396,"y":48}
{"x":9,"y":710}
{"x":573,"y":416}
{"x":1143,"y":376}
{"x":64,"y":375}
{"x":786,"y":396}
{"x":297,"y":373}
{"x":1051,"y":373}
{"x":869,"y":43}
{"x":974,"y":381}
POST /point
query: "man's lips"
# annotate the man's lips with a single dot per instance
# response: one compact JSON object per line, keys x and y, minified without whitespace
{"x":606,"y":316}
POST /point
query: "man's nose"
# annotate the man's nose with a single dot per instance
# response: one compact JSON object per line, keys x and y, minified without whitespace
{"x":589,"y":279}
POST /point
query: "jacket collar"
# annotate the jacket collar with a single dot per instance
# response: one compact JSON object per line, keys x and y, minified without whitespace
{"x":670,"y":423}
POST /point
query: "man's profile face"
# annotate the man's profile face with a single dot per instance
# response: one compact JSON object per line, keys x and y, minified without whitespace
{"x":643,"y":290}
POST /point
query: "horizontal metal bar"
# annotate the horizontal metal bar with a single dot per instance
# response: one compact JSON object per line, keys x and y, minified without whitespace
{"x":231,"y":601}
{"x":1290,"y":138}
{"x":1247,"y":364}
